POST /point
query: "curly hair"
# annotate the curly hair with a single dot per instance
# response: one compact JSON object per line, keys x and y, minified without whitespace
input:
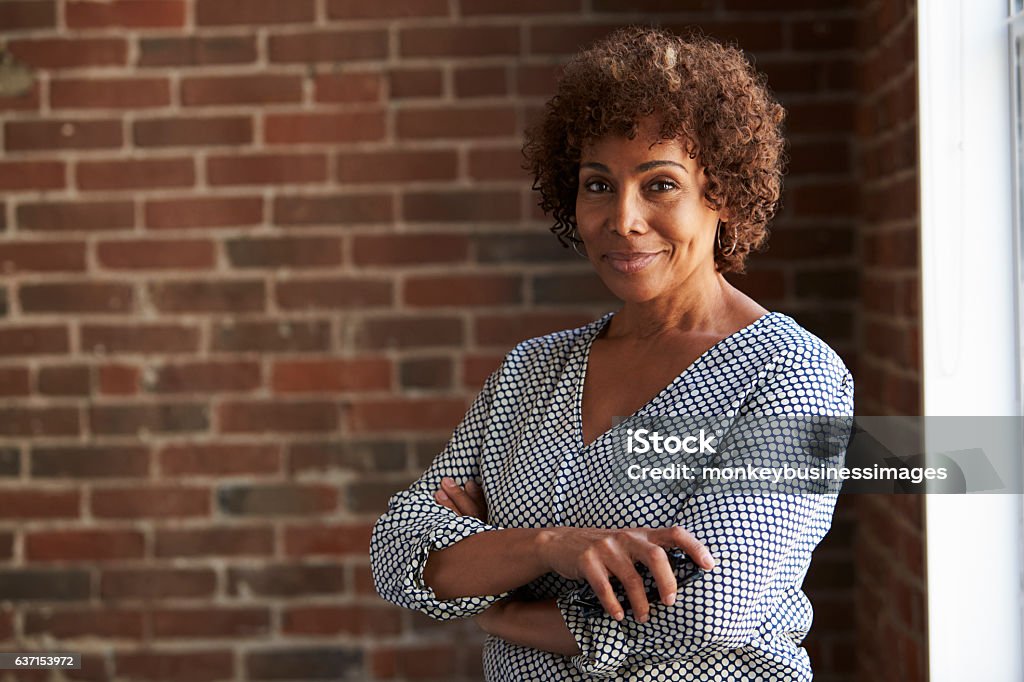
{"x":704,"y":93}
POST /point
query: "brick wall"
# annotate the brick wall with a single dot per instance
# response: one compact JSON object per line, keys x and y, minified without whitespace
{"x":891,"y":588}
{"x":260,"y":255}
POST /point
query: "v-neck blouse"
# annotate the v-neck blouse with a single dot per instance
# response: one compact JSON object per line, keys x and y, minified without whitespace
{"x":522,"y":439}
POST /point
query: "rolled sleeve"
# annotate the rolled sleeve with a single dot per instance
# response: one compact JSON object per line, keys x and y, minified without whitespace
{"x":415,"y":524}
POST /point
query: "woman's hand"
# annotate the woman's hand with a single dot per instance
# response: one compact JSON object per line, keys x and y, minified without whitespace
{"x":594,"y":554}
{"x":468,"y":501}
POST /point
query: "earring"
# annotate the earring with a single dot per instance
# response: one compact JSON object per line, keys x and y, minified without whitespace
{"x":718,"y":241}
{"x":574,"y":239}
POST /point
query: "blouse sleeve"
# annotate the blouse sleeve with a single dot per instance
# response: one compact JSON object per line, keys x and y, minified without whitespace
{"x":416,"y":524}
{"x":762,"y":543}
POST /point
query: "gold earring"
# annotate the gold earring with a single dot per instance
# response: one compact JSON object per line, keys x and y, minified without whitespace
{"x":718,"y":241}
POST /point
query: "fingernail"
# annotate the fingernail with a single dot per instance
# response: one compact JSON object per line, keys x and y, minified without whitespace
{"x":708,"y":561}
{"x":447,"y":482}
{"x":441,"y":496}
{"x":670,"y":599}
{"x":618,"y":615}
{"x":470,"y":482}
{"x":643,"y":619}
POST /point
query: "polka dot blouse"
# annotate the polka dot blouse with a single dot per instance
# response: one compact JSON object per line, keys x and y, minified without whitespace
{"x":522,"y":439}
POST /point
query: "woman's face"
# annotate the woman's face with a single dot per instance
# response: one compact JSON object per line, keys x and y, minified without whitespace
{"x":641,"y":214}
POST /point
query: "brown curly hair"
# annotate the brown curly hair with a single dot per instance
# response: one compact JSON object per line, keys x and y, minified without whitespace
{"x":705,"y":93}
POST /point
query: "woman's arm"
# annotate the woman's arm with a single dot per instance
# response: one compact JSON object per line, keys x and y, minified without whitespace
{"x":536,"y":624}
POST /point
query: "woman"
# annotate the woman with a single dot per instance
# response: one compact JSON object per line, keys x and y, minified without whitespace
{"x":661,"y":160}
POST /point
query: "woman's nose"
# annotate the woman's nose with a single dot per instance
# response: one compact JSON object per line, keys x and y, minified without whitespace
{"x":627,"y":217}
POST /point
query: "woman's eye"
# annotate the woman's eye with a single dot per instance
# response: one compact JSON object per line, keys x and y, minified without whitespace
{"x":596,"y":186}
{"x":663,"y":185}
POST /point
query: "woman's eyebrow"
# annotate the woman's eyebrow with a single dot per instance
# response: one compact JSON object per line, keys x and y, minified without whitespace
{"x":643,"y":167}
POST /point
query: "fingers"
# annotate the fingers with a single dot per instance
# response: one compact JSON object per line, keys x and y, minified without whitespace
{"x":476,"y":493}
{"x":623,"y":569}
{"x":463,"y":503}
{"x":656,"y":560}
{"x":677,"y":536}
{"x":594,"y":572}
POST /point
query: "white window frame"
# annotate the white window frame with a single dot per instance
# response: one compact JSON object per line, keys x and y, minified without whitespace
{"x":969,"y":328}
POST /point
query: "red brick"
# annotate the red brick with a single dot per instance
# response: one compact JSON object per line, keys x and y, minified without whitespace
{"x":456,"y":123}
{"x":565,"y":39}
{"x":157,"y":583}
{"x":20,"y":14}
{"x":327,"y":539}
{"x":33,"y":340}
{"x":18,"y":256}
{"x":211,"y":623}
{"x":89,"y":461}
{"x":257,"y":169}
{"x":408,"y":331}
{"x":135,"y":174}
{"x":396,"y":9}
{"x":125,"y":14}
{"x":461,"y":205}
{"x":476,"y":369}
{"x":303,"y":376}
{"x":418,"y":661}
{"x":134,"y":419}
{"x":462,"y":290}
{"x":21,"y":99}
{"x":206,"y":377}
{"x":118,"y":379}
{"x":329,"y":46}
{"x":497,"y":163}
{"x":282,"y":336}
{"x":151,"y":254}
{"x":276,"y":252}
{"x":240,"y":89}
{"x":110,"y":93}
{"x":197,"y":50}
{"x":208,"y":297}
{"x":405,"y":414}
{"x":286,"y":580}
{"x":830,"y":116}
{"x":64,"y":380}
{"x":336,"y":293}
{"x":481,"y":81}
{"x":409,"y":249}
{"x":61,"y":134}
{"x":396,"y":165}
{"x":14,"y":381}
{"x":29,"y":503}
{"x":60,"y":53}
{"x":509,"y":329}
{"x":820,"y":34}
{"x":210,"y":131}
{"x":415,"y":82}
{"x":31,"y":175}
{"x":84,"y":545}
{"x":458,"y":41}
{"x":532,"y":7}
{"x":276,"y":499}
{"x":277,"y":417}
{"x":140,"y":338}
{"x":333,"y":210}
{"x":77,"y":297}
{"x":39,"y":421}
{"x":200,"y":212}
{"x":349,"y":87}
{"x":220,"y":459}
{"x":206,"y":542}
{"x":767,"y":35}
{"x":428,"y":373}
{"x":539,"y":80}
{"x":337,"y":127}
{"x":239,"y":12}
{"x":103,"y":622}
{"x":76,"y":216}
{"x":824,"y":198}
{"x":343,"y":619}
{"x":162,"y":502}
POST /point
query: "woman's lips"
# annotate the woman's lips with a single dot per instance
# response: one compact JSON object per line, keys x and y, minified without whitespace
{"x":629,"y":262}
